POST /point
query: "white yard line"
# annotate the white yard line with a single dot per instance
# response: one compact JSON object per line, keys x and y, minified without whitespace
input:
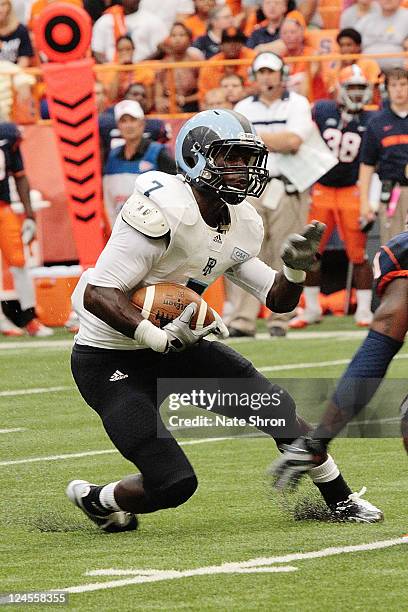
{"x":277,"y":368}
{"x":312,"y":335}
{"x":260,"y":565}
{"x":315,"y":364}
{"x":36,"y":390}
{"x":45,"y":344}
{"x":12,"y":430}
{"x":106,"y":452}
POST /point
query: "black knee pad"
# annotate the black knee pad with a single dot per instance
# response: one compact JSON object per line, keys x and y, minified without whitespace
{"x":175,"y":494}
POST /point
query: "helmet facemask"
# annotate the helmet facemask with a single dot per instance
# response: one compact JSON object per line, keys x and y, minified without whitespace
{"x":233,"y":182}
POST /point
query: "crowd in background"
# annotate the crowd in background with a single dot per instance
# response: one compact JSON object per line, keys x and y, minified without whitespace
{"x":132,"y":32}
{"x":142,"y":35}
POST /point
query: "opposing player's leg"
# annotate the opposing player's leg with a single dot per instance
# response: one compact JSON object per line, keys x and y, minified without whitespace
{"x":121,"y":387}
{"x":221,"y":361}
{"x":323,"y":203}
{"x":12,"y":248}
{"x":355,"y":243}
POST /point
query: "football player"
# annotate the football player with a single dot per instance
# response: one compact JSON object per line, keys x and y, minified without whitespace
{"x":335,"y":198}
{"x":190,"y":229}
{"x":367,"y":368}
{"x":14,"y":233}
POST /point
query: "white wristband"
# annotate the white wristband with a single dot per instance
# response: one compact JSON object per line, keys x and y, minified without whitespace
{"x":294,"y":276}
{"x":151,"y":336}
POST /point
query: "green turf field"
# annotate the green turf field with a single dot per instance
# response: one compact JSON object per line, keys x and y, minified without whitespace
{"x":234,"y":545}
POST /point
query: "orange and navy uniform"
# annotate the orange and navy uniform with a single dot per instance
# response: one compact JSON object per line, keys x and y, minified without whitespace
{"x":335,"y":197}
{"x":391,"y":262}
{"x":385,"y":145}
{"x":11,"y":163}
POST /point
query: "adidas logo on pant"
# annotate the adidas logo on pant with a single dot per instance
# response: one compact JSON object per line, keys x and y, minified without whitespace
{"x":118,"y":375}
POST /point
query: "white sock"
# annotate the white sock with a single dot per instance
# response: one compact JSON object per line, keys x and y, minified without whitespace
{"x":24,"y":287}
{"x":326,"y":472}
{"x":364,"y":297}
{"x":312,"y":298}
{"x":107,"y":497}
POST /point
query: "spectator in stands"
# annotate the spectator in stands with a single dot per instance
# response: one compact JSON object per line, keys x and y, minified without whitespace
{"x":352,"y":16}
{"x":199,"y":22}
{"x":220,"y":18}
{"x":135,"y":156}
{"x":256,"y":17}
{"x":146,"y":33}
{"x":169,"y":10}
{"x":290,"y":44}
{"x":15,"y":45}
{"x":274,"y":11}
{"x":349,"y":41}
{"x":232,"y":47}
{"x":185,"y":79}
{"x":233,"y":87}
{"x":385,"y":151}
{"x":215,"y":98}
{"x":385,"y":31}
{"x":96,"y":8}
{"x":118,"y":81}
{"x":109,"y":134}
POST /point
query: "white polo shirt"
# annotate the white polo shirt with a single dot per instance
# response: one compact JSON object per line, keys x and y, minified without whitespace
{"x":290,"y":113}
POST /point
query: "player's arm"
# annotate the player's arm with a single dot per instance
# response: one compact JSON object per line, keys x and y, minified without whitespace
{"x":356,"y":387}
{"x":369,"y":365}
{"x":29,"y":227}
{"x":280,"y":291}
{"x":135,"y":246}
{"x":23,"y":190}
{"x":369,"y":155}
{"x":364,"y":179}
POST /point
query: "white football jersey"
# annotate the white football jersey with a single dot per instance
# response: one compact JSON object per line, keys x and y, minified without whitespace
{"x":191,"y":253}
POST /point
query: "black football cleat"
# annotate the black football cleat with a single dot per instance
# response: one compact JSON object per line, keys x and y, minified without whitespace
{"x":111,"y":522}
{"x":357,"y":510}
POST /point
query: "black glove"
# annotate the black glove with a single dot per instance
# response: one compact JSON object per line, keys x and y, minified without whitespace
{"x":297,"y":459}
{"x":299,"y":250}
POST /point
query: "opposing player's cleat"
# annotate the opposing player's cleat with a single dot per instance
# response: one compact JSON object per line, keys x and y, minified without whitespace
{"x":37,"y":329}
{"x":111,"y":522}
{"x":11,"y":331}
{"x":363,"y":318}
{"x":357,"y":510}
{"x":7,"y":328}
{"x":308,"y":317}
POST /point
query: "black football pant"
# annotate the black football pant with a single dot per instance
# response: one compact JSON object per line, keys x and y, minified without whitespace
{"x":129,"y":410}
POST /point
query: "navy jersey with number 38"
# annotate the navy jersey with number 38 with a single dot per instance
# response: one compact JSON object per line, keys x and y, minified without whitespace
{"x":391,"y":262}
{"x":10,"y":157}
{"x":344,"y":140}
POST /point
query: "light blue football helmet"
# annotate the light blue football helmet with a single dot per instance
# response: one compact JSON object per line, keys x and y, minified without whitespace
{"x":208,"y":144}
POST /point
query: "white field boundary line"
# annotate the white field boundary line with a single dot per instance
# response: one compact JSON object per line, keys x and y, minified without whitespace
{"x":12,"y":430}
{"x":259,"y":565}
{"x":277,"y":368}
{"x":314,"y":335}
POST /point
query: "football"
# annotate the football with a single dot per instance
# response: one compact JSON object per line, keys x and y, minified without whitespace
{"x":163,"y":302}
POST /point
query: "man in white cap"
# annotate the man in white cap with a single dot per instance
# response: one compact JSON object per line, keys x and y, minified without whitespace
{"x":134,"y":156}
{"x":283,"y":120}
